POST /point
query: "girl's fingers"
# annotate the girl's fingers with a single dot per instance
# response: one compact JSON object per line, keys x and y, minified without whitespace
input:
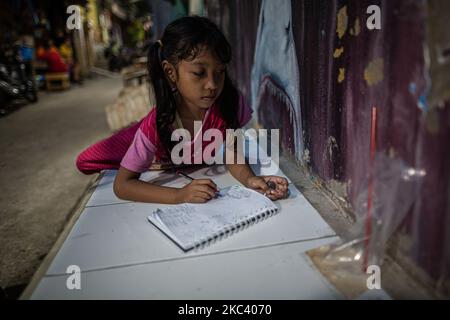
{"x":272,"y":197}
{"x":281,"y":186}
{"x":265,"y":191}
{"x":207,"y":189}
{"x":205,"y":181}
{"x":277,"y":194}
{"x":278,"y":180}
{"x":198,"y":200}
{"x":202,"y":195}
{"x":261,"y":185}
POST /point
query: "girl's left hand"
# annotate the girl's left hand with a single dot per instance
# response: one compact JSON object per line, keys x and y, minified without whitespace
{"x":262,"y":185}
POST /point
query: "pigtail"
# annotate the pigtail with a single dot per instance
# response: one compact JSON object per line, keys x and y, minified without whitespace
{"x":165,"y":100}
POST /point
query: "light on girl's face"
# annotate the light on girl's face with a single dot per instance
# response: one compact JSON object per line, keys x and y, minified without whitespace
{"x":201,"y":79}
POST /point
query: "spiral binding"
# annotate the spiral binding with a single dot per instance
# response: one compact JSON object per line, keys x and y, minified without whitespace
{"x":228,"y":231}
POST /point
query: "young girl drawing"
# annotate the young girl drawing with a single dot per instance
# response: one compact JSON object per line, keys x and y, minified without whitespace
{"x":188,"y":68}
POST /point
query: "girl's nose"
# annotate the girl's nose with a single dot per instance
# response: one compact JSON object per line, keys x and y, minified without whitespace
{"x":211,"y":83}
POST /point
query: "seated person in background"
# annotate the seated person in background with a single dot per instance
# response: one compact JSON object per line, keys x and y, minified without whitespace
{"x":67,"y":55}
{"x":40,"y":63}
{"x":53,"y":58}
{"x":66,"y":52}
{"x":40,"y":51}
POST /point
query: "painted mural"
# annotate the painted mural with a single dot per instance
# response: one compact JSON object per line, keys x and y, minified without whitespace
{"x":275,"y":85}
{"x":315,"y":70}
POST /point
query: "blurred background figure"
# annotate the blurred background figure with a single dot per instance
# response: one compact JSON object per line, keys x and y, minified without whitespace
{"x":112,"y":54}
{"x":66,"y":52}
{"x":51,"y":55}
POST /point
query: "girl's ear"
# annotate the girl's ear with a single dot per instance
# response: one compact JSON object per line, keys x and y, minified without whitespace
{"x":170,"y":71}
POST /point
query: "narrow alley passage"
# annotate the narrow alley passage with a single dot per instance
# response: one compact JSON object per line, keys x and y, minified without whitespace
{"x":39,"y":181}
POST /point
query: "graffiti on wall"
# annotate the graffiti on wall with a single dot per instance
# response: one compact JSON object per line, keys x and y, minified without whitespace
{"x":275,"y":79}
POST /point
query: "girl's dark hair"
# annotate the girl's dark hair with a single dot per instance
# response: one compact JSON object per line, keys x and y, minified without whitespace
{"x":182,"y":40}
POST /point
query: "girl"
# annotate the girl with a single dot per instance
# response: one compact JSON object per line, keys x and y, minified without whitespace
{"x":188,"y":71}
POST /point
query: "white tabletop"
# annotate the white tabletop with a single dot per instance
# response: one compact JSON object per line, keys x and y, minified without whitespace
{"x":273,"y":272}
{"x":122,"y":255}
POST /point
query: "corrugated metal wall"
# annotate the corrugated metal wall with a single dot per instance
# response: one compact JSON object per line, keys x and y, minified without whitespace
{"x":344,"y":70}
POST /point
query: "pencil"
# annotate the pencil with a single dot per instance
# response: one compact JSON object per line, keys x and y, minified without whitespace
{"x":185,"y":175}
{"x":189,"y":177}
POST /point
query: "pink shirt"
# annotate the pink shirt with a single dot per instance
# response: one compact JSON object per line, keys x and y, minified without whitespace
{"x":146,"y":147}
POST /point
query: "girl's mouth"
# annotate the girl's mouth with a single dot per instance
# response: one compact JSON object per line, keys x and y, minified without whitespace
{"x":209,"y":98}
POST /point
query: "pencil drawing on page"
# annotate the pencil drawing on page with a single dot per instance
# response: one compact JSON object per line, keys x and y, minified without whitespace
{"x":190,"y":224}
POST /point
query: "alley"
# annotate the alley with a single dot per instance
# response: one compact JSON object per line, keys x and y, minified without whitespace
{"x":39,"y":181}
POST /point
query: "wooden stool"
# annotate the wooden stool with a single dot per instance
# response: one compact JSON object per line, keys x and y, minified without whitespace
{"x":57,"y":81}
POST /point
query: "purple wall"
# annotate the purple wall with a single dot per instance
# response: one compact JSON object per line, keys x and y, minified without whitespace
{"x":345,"y":69}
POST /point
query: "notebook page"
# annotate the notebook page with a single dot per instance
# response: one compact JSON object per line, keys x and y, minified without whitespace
{"x":189,"y":224}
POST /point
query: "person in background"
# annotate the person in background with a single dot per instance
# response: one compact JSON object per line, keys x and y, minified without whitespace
{"x":40,"y":50}
{"x":112,"y":53}
{"x":53,"y":58}
{"x":59,"y":38}
{"x":67,"y":56}
{"x":27,"y":51}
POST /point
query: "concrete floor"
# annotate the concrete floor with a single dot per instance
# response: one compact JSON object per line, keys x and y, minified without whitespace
{"x":39,"y":182}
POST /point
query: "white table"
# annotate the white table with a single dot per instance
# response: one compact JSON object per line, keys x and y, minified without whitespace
{"x":121,"y":255}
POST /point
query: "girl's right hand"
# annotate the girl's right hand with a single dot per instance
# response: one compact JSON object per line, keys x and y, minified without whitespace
{"x":198,"y":191}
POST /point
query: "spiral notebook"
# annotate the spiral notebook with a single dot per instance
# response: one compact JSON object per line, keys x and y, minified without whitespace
{"x":197,"y":225}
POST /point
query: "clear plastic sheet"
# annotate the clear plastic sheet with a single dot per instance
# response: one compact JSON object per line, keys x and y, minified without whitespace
{"x":395,"y":186}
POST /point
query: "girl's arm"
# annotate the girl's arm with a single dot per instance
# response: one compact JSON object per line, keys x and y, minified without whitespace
{"x":127,"y":186}
{"x":242,"y":173}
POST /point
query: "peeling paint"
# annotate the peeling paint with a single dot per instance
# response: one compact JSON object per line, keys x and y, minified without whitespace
{"x":341,"y":76}
{"x":331,"y":144}
{"x":338,"y":52}
{"x":342,"y":22}
{"x":339,"y":189}
{"x":306,"y":158}
{"x":374,"y":73}
{"x":356,"y":30}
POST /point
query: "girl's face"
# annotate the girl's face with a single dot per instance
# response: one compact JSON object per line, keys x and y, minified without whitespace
{"x":199,"y":81}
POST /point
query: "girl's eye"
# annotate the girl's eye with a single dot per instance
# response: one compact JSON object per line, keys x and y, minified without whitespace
{"x":202,"y":73}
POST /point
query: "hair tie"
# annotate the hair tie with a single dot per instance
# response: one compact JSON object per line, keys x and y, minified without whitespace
{"x":160,"y":43}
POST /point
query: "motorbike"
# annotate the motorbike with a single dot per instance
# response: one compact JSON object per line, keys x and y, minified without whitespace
{"x":16,"y":80}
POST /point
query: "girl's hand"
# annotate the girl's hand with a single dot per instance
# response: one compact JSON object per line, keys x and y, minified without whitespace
{"x":198,"y":191}
{"x":262,"y":185}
